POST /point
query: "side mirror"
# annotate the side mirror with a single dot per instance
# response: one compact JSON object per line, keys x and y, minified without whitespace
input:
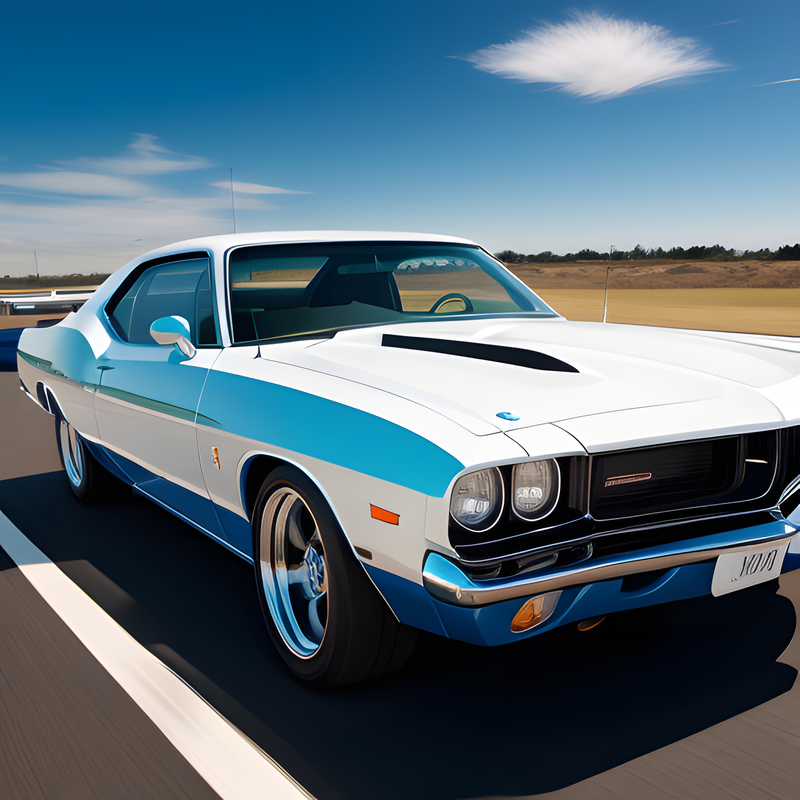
{"x":173,"y":330}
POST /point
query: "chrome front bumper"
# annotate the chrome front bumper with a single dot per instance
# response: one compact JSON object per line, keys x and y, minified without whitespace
{"x":445,"y":581}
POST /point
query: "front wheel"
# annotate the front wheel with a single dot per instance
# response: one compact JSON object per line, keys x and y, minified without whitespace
{"x":325,"y":617}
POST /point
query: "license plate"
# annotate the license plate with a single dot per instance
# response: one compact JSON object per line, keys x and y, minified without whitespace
{"x":735,"y":571}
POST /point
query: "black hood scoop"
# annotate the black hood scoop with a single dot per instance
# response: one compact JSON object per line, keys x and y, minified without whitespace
{"x":483,"y":352}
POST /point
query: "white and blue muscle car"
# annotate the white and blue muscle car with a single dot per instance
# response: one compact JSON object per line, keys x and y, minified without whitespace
{"x":400,"y":435}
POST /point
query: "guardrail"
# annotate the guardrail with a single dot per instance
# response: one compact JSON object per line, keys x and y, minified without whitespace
{"x":48,"y":301}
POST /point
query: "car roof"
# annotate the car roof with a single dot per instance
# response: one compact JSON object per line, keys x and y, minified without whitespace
{"x":220,"y":244}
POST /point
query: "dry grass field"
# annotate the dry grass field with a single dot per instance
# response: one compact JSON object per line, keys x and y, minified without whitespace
{"x":656,"y":274}
{"x":748,"y":297}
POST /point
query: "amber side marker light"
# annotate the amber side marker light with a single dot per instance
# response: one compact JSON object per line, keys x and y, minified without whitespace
{"x":534,"y":612}
{"x":588,"y":624}
{"x":383,"y":515}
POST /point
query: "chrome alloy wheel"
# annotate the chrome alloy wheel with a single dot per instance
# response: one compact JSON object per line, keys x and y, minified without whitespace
{"x":72,"y":453}
{"x":294,"y":571}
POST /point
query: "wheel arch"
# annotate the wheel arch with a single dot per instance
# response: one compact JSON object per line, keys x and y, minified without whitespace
{"x":254,"y":469}
{"x":253,"y":472}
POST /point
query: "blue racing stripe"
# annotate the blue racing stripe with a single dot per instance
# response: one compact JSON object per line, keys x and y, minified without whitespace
{"x":324,"y":429}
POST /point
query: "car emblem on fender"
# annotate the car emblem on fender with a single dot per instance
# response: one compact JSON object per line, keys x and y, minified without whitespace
{"x":620,"y":479}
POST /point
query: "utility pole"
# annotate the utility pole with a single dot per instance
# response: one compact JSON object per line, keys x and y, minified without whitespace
{"x":608,"y":269}
{"x":36,"y":261}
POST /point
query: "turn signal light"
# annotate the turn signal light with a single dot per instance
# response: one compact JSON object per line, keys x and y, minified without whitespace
{"x":534,"y":612}
{"x":383,"y":515}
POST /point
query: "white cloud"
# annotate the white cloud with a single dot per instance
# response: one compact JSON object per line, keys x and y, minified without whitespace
{"x":92,"y":218}
{"x":729,"y":22}
{"x":254,"y":188}
{"x":73,"y":183}
{"x":597,"y":57}
{"x":99,"y":236}
{"x":146,"y":158}
{"x":775,"y":83}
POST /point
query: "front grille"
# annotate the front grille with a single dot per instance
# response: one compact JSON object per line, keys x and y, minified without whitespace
{"x":630,"y":499}
{"x":678,"y":477}
{"x":792,"y":470}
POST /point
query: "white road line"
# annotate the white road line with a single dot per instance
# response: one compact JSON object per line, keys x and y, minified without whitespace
{"x":230,"y":763}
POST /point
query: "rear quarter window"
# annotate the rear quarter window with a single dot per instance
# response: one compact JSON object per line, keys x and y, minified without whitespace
{"x":177,"y":288}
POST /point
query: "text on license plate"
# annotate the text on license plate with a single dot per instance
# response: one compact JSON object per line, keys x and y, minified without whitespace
{"x":734,"y":571}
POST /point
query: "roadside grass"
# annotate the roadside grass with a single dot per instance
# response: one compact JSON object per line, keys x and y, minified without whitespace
{"x":771,"y":311}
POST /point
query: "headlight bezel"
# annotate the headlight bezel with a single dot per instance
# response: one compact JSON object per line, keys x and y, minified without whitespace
{"x":504,"y":519}
{"x":550,"y":503}
{"x":506,"y":548}
{"x":495,"y":517}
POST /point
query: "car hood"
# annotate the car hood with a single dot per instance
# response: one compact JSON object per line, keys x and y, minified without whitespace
{"x":607,"y":385}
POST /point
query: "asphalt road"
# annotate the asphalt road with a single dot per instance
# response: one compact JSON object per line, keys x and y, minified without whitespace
{"x":685,"y":701}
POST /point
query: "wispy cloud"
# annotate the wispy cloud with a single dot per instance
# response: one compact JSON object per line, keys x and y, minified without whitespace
{"x":145,"y":158}
{"x":597,"y":57}
{"x":720,"y":24}
{"x":99,"y":212}
{"x":773,"y":83}
{"x":73,"y":183}
{"x":254,"y":188}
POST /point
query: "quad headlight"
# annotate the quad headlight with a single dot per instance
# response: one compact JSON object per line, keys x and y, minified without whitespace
{"x":534,"y":489}
{"x":477,"y":500}
{"x":531,"y":489}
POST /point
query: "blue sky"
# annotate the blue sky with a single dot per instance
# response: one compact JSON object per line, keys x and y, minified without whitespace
{"x":522,"y":125}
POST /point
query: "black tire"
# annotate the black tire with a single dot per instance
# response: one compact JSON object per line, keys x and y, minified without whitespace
{"x":89,"y":480}
{"x":327,"y":620}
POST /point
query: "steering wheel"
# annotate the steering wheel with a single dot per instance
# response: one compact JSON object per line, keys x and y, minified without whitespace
{"x":449,"y":298}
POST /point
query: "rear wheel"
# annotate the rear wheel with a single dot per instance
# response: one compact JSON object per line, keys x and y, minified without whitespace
{"x":88,"y":479}
{"x":326,"y":618}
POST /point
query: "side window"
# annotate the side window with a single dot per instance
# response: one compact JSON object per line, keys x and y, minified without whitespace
{"x":178,"y":288}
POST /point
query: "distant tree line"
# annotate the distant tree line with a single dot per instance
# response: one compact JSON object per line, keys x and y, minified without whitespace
{"x":698,"y":253}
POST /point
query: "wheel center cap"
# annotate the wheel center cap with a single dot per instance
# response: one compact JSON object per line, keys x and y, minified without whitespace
{"x":315,"y":567}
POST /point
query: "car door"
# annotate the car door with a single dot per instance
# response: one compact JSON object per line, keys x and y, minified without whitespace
{"x":148,"y":394}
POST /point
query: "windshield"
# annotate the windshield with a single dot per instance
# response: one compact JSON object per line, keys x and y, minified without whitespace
{"x":302,"y":289}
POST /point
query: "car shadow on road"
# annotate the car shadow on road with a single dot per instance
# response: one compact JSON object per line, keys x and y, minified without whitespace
{"x":458,"y":721}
